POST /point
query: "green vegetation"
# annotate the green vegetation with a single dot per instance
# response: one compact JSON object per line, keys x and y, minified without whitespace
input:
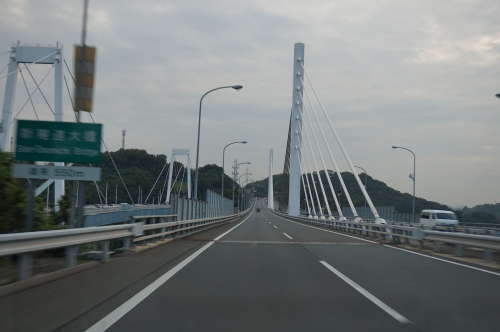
{"x":484,"y":213}
{"x":138,"y":168}
{"x":13,"y":202}
{"x":380,"y":193}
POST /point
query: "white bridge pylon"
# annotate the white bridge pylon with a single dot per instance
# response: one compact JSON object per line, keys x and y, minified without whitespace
{"x":32,"y":55}
{"x":297,"y":165}
{"x":179,"y":152}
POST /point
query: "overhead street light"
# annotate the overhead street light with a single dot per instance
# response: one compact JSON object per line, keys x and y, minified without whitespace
{"x":239,"y":182}
{"x":223,"y":153}
{"x":498,"y":95}
{"x":366,"y":179}
{"x":236,"y":87}
{"x":412,"y":176}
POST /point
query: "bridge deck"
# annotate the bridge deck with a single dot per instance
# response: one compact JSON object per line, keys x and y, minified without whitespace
{"x":267,"y":274}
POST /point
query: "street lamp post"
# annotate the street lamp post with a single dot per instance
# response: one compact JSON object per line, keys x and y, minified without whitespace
{"x":239,"y":182}
{"x":243,"y":205}
{"x":366,"y":179}
{"x":412,"y":176}
{"x":236,"y":87}
{"x":223,"y":153}
{"x":235,"y":169}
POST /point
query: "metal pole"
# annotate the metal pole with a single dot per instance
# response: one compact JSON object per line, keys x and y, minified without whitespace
{"x":413,"y":178}
{"x":236,"y":87}
{"x":223,"y":155}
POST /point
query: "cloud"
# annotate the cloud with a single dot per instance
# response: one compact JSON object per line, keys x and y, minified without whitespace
{"x":416,"y":74}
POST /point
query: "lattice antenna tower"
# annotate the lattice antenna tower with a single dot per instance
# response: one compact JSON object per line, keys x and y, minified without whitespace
{"x":123,"y":138}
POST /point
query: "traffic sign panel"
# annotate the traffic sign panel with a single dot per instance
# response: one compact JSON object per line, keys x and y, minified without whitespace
{"x":56,"y":172}
{"x":58,"y":141}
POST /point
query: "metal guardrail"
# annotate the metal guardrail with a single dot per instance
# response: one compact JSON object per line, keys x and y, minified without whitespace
{"x":182,"y":228}
{"x":24,"y":244}
{"x":397,"y":232}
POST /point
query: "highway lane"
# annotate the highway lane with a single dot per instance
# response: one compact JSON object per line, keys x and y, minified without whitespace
{"x":256,"y":278}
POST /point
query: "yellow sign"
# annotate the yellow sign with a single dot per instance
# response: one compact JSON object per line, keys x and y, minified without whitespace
{"x":85,"y":103}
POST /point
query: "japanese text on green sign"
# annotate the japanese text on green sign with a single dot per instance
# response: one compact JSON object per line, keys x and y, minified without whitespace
{"x":58,"y":141}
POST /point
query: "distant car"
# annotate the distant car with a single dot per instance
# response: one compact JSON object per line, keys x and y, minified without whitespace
{"x":98,"y":206}
{"x":110,"y":205}
{"x":258,"y":210}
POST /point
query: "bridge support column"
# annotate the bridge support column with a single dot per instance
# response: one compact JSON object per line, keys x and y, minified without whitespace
{"x":270,"y":189}
{"x":296,"y":131}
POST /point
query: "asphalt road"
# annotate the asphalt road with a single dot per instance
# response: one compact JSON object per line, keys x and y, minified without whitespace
{"x":270,"y":274}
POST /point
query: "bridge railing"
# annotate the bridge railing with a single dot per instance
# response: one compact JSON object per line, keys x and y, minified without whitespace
{"x":407,"y":233}
{"x":24,"y":244}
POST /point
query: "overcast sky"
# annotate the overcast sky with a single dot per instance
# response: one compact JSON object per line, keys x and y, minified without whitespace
{"x":418,"y":74}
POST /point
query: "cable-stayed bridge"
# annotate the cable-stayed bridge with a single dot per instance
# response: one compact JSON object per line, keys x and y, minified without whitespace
{"x":300,"y":264}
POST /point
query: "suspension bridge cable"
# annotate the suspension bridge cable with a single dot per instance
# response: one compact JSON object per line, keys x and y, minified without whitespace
{"x":7,"y":65}
{"x":164,"y":183}
{"x":351,"y":205}
{"x":28,"y":91}
{"x":308,"y":186}
{"x":317,"y":169}
{"x":156,"y":180}
{"x":98,"y":192}
{"x":38,"y":89}
{"x":356,"y":176}
{"x":112,"y":160}
{"x":321,"y":155}
{"x":175,"y":180}
{"x":15,"y":71}
{"x":314,"y":183}
{"x":303,"y":184}
{"x":309,"y":190}
{"x":70,"y":98}
{"x":5,"y":53}
{"x":102,"y":140}
{"x":3,"y":133}
{"x":182,"y":180}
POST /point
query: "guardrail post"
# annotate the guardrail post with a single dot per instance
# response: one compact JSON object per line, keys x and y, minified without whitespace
{"x":458,"y":250}
{"x":436,"y":246}
{"x":105,"y":251}
{"x":488,"y":255}
{"x":71,"y":252}
{"x":24,"y":266}
{"x":127,"y":243}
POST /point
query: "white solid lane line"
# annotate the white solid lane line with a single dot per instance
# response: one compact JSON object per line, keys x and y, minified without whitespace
{"x":122,"y":310}
{"x":443,"y":260}
{"x":288,"y":236}
{"x":393,"y":247}
{"x":324,"y":230}
{"x":400,"y":318}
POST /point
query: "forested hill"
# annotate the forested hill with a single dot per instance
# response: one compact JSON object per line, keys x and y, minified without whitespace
{"x":141,"y":169}
{"x":380,"y":193}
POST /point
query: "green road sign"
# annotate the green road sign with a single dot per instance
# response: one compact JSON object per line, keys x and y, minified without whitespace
{"x":58,"y":141}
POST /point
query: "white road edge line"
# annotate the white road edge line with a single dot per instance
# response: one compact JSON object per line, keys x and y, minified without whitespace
{"x":444,"y":260}
{"x":288,"y":236}
{"x":122,"y":310}
{"x":400,"y":318}
{"x":325,"y":230}
{"x":392,"y":247}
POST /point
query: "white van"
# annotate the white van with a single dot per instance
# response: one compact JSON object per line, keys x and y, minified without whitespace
{"x":438,"y":218}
